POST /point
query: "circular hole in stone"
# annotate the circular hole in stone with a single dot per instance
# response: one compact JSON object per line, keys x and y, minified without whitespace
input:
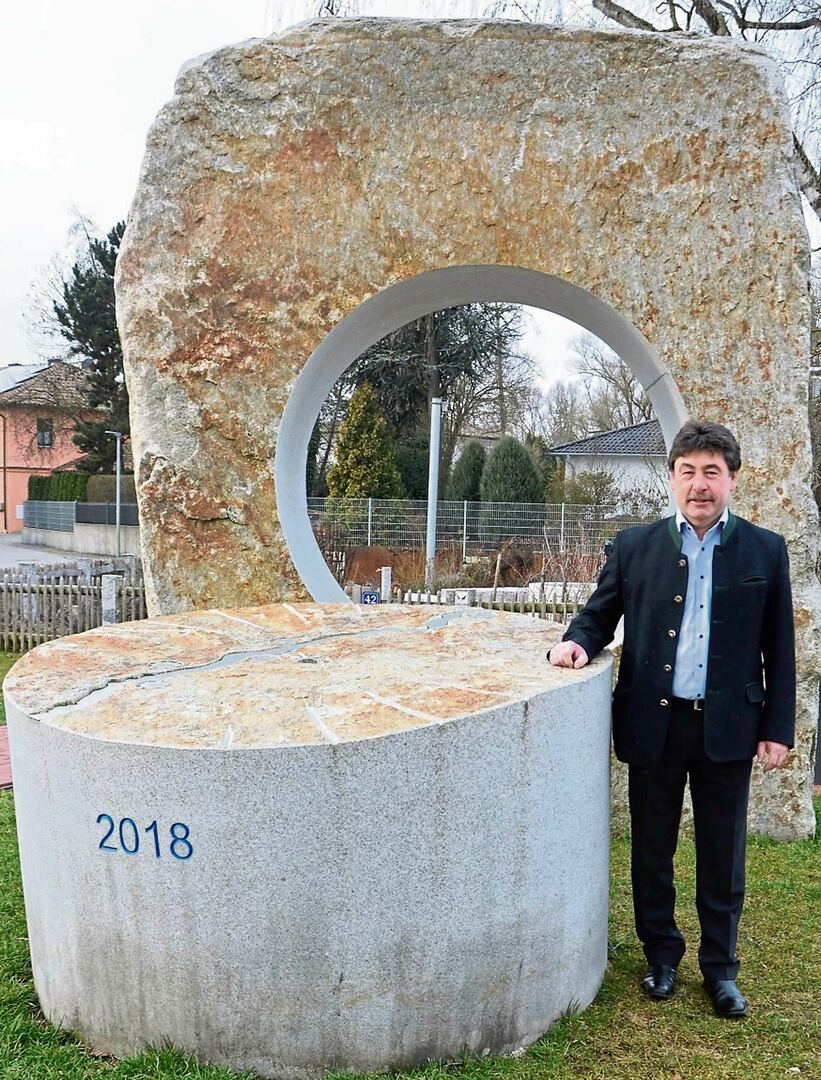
{"x":400,"y":304}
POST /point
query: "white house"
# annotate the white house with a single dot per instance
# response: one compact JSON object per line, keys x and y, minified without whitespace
{"x":634,"y":456}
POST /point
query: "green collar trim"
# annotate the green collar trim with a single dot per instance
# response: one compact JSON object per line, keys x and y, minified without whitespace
{"x":726,"y":532}
{"x":675,"y":532}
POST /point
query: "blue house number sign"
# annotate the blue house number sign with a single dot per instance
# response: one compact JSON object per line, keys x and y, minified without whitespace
{"x":370,"y":597}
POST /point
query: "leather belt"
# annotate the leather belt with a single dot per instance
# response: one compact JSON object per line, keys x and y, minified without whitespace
{"x":695,"y":704}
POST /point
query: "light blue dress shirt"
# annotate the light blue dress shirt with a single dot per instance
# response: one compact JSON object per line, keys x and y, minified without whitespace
{"x":690,"y":673}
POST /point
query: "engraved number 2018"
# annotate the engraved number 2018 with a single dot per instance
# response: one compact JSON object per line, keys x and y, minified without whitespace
{"x":128,"y":833}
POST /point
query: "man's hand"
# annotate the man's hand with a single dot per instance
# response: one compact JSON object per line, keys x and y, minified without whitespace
{"x":568,"y":654}
{"x":774,"y":752}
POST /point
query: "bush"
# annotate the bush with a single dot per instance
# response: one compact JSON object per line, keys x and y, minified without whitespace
{"x":466,"y":477}
{"x":510,"y":475}
{"x":103,"y":488}
{"x":412,"y":462}
{"x":58,"y":487}
{"x":365,"y":465}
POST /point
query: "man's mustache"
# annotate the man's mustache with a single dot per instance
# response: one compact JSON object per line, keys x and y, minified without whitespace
{"x":700,"y":498}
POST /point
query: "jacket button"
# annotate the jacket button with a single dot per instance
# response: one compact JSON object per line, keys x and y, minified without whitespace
{"x":682,"y":562}
{"x":671,"y":633}
{"x":664,"y":701}
{"x":668,"y":667}
{"x":678,"y":599}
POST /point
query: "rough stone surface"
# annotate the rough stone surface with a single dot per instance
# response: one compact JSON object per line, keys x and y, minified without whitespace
{"x":399,"y":834}
{"x":290,"y":179}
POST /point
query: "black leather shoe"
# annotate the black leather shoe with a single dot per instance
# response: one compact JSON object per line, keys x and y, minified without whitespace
{"x":727,"y":999}
{"x":660,"y":981}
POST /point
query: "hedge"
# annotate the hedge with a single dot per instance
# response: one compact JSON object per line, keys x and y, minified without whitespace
{"x":59,"y":487}
{"x":103,"y":488}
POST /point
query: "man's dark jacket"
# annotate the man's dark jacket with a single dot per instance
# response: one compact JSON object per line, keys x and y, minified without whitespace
{"x":750,"y":692}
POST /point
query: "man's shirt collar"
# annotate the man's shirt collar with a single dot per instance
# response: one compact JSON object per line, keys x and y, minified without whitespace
{"x":682,"y":522}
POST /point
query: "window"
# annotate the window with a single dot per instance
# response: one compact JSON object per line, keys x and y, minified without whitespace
{"x":45,"y":432}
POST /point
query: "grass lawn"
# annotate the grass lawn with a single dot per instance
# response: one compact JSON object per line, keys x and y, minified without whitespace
{"x":622,"y":1036}
{"x":6,"y":660}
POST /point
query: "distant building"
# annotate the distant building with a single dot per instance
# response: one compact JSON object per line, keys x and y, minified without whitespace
{"x":469,"y":433}
{"x":634,"y":456}
{"x":37,"y":414}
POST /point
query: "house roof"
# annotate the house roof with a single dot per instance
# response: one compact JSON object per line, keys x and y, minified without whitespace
{"x":638,"y":440}
{"x":58,"y":386}
{"x":12,"y":374}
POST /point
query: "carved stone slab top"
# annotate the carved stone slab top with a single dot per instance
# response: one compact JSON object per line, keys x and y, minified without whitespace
{"x":285,"y":674}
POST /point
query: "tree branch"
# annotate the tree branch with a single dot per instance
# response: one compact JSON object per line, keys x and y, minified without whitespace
{"x":713,"y":18}
{"x":804,"y":24}
{"x":621,"y":15}
{"x":808,"y":177}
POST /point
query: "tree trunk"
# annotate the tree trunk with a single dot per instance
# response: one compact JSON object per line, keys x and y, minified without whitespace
{"x":500,"y":377}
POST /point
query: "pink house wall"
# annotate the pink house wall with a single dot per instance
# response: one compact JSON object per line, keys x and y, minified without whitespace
{"x":22,"y":457}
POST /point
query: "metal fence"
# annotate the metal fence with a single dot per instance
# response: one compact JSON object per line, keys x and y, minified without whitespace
{"x":476,"y":527}
{"x":62,"y":516}
{"x":42,"y":514}
{"x":106,"y":513}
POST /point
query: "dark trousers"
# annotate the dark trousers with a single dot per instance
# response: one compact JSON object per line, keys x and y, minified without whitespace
{"x":719,"y":792}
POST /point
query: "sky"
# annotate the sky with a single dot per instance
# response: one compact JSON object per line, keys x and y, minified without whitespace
{"x":80,"y":84}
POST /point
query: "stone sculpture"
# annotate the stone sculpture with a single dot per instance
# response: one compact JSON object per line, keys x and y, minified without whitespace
{"x":350,"y":175}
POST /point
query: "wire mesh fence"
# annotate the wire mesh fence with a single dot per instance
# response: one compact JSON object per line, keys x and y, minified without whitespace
{"x":476,"y":527}
{"x":43,"y":514}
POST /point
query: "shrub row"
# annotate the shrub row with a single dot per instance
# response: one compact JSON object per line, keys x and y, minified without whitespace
{"x":59,"y":487}
{"x":81,"y":487}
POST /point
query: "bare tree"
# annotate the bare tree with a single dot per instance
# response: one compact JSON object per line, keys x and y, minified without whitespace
{"x":565,"y":414}
{"x":615,"y":398}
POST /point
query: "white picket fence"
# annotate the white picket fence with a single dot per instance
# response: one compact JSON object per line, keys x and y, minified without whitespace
{"x":557,"y":601}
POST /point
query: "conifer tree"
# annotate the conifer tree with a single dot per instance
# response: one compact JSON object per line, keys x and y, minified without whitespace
{"x":87,"y":321}
{"x":510,"y":475}
{"x":365,"y":463}
{"x":466,"y":477}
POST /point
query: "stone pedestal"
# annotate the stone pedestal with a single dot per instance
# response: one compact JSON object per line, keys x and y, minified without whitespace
{"x":299,"y":838}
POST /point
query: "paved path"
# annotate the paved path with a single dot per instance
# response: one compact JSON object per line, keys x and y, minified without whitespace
{"x":5,"y":760}
{"x":12,"y":551}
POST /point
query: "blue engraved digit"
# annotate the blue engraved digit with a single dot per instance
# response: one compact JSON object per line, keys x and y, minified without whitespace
{"x":152,"y":828}
{"x":135,"y":835}
{"x":180,"y":841}
{"x":103,"y":846}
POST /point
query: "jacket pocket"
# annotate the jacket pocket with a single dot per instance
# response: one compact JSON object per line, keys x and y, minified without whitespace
{"x":754,"y":692}
{"x":755,"y":580}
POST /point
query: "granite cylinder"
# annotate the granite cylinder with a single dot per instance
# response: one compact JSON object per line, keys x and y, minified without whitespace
{"x":299,"y":838}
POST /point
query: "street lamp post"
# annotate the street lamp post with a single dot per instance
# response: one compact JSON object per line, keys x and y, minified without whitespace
{"x":433,"y":486}
{"x":118,"y":435}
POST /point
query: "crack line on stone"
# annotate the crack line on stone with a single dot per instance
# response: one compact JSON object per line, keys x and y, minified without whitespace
{"x":227,"y":659}
{"x":299,"y":615}
{"x":402,"y":708}
{"x":323,"y":729}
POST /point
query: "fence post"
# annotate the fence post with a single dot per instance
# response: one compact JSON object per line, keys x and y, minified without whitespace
{"x":32,"y":578}
{"x":109,"y":598}
{"x":561,"y":531}
{"x":465,"y":532}
{"x":370,"y":521}
{"x":385,"y":585}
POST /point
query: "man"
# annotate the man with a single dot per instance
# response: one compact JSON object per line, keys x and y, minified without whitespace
{"x":706,"y":682}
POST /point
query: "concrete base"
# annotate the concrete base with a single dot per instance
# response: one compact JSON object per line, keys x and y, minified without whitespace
{"x":87,"y":539}
{"x":348,"y":904}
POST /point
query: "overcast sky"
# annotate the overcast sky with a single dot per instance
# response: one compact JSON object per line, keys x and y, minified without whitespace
{"x":80,"y":83}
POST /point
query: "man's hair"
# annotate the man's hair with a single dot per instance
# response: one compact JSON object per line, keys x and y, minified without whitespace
{"x":704,"y":435}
